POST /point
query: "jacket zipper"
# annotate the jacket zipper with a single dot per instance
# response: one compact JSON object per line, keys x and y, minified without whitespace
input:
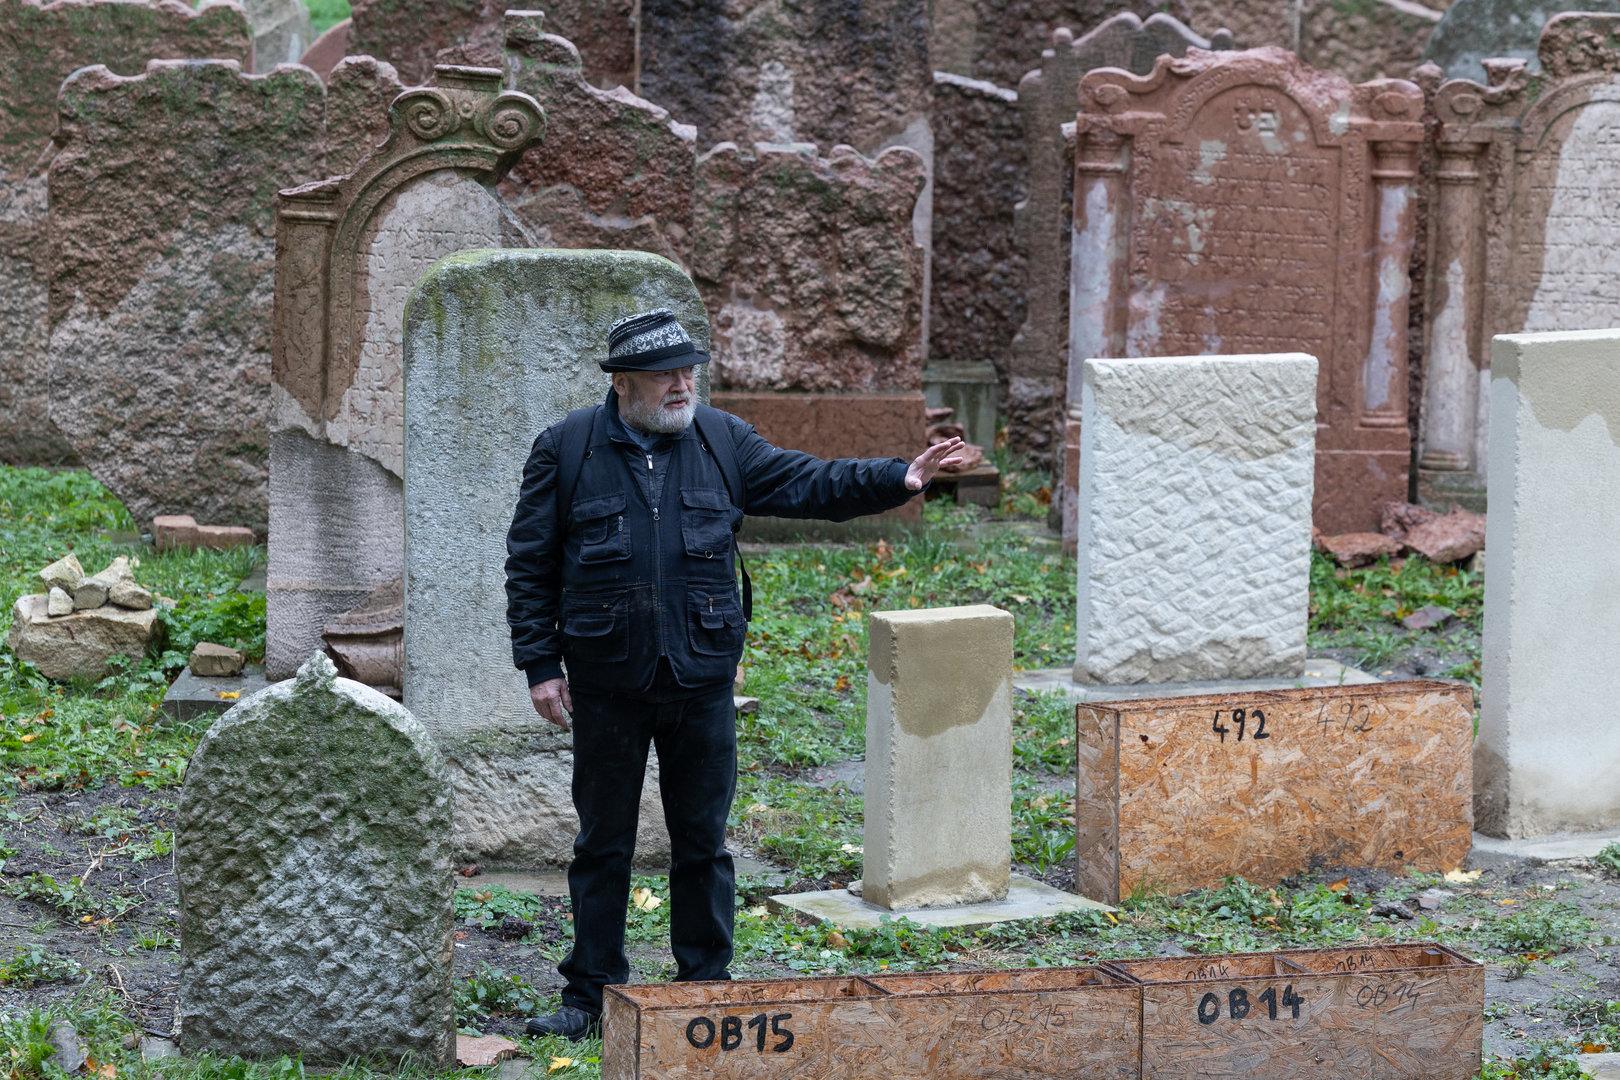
{"x":658,"y":563}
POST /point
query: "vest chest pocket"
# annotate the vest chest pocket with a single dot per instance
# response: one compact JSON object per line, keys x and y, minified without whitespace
{"x":706,"y":523}
{"x":599,"y":525}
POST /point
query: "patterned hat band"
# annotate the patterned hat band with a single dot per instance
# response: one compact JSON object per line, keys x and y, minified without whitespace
{"x":650,"y":341}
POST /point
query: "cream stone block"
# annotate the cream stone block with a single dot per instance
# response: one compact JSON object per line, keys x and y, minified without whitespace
{"x":1548,"y":751}
{"x":938,"y":757}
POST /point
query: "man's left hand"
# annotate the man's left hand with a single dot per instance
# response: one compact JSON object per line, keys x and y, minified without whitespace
{"x":930,"y":461}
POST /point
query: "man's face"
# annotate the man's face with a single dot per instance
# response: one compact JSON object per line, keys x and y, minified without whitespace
{"x":658,"y":401}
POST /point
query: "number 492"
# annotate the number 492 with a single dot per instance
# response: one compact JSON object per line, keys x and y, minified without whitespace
{"x":1240,"y":720}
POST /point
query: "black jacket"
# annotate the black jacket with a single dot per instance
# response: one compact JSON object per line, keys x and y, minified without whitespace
{"x":626,"y":581}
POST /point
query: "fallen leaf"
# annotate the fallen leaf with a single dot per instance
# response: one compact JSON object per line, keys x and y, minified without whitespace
{"x":645,"y":899}
{"x":559,"y":1063}
{"x":1509,"y":902}
{"x":841,"y":684}
{"x":1340,"y":885}
{"x":758,"y":911}
{"x":852,"y":849}
{"x":1462,"y":877}
{"x":1111,"y":917}
{"x":229,"y":695}
{"x":1594,"y":1048}
{"x":837,"y":940}
{"x":30,"y":737}
{"x":756,"y":808}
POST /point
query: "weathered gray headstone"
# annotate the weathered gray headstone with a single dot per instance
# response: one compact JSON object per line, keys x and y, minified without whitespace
{"x":313,"y":855}
{"x":500,"y":345}
{"x":281,"y":31}
{"x":1195,"y":518}
{"x":1473,"y":31}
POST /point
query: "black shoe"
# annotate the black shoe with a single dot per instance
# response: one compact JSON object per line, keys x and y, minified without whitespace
{"x":569,"y":1022}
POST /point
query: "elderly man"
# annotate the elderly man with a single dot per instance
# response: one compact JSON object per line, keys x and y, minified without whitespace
{"x":621,"y":567}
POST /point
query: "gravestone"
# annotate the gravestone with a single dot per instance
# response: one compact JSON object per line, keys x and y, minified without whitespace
{"x":1034,"y":366}
{"x":1552,"y":623}
{"x":417,"y":35}
{"x":844,"y":72}
{"x":1473,"y":31}
{"x":498,"y":346}
{"x":348,"y":251}
{"x":160,"y":208}
{"x":814,"y":281}
{"x":1372,"y":39}
{"x":1528,"y":174}
{"x":994,"y":40}
{"x":939,"y":757}
{"x":281,"y":32}
{"x":313,"y":857}
{"x":40,"y":45}
{"x":1244,"y":203}
{"x":976,"y":296}
{"x":1194,"y":518}
{"x":614,"y":171}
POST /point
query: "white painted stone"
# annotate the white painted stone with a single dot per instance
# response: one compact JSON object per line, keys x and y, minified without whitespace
{"x":1195,"y":517}
{"x":1548,"y":750}
{"x":938,"y":791}
{"x":498,"y":346}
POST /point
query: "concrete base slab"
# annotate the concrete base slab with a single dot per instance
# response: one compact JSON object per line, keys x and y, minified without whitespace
{"x":193,"y":696}
{"x":1319,"y":671}
{"x":1601,"y":1066}
{"x":1026,"y":899}
{"x":1546,"y":848}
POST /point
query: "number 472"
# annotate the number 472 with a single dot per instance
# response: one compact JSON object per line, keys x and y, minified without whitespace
{"x":1240,"y":719}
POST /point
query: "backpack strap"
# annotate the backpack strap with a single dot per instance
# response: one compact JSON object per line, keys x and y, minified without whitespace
{"x":715,"y":435}
{"x":573,"y":447}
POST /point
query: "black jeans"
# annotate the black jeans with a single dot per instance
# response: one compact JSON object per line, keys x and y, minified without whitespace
{"x":696,"y":737}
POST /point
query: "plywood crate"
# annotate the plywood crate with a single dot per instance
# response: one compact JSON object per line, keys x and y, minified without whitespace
{"x":1013,"y":1025}
{"x":1388,"y":1012}
{"x":1180,"y":792}
{"x":1068,"y":1022}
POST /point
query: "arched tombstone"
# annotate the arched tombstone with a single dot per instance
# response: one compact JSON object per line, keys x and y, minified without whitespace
{"x":313,"y":855}
{"x":499,"y":345}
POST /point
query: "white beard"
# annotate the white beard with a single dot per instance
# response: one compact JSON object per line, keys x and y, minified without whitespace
{"x":658,"y":420}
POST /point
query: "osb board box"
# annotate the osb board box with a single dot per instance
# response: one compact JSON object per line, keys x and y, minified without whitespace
{"x":1387,"y":1012}
{"x":1178,"y":793}
{"x":1072,"y":1022}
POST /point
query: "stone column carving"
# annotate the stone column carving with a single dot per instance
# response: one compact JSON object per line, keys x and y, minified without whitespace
{"x":1384,"y":386}
{"x":1097,"y":258}
{"x":1450,"y":377}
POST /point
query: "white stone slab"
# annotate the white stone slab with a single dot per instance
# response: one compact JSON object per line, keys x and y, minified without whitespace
{"x":1319,"y":671}
{"x":1196,"y":476}
{"x":1548,"y":752}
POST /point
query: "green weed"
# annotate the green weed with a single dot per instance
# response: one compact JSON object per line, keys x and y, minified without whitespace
{"x":1608,"y":860}
{"x":487,"y":907}
{"x":493,"y":992}
{"x":33,"y":964}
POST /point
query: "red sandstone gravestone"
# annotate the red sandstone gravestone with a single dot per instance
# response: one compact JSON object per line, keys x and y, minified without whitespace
{"x":1527,"y":191}
{"x":1034,"y":369}
{"x":1244,"y":203}
{"x":41,"y":45}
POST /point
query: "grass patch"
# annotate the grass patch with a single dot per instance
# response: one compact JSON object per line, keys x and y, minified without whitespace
{"x":324,"y":14}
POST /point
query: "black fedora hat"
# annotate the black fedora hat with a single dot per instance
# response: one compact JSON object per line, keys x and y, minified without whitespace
{"x":651,"y":341}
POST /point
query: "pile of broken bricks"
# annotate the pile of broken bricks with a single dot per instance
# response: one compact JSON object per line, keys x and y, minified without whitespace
{"x":1406,"y":528}
{"x":75,"y":627}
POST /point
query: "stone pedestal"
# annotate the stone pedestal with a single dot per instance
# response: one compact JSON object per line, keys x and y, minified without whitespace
{"x":938,"y":757}
{"x":971,"y":389}
{"x":1548,"y":749}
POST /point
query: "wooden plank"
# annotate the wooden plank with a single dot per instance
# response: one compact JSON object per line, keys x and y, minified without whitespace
{"x":1264,"y":785}
{"x":1096,"y":803}
{"x":944,"y":1026}
{"x":1403,"y":1012}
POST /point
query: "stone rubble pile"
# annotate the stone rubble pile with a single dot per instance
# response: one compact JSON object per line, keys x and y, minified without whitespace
{"x":80,"y":622}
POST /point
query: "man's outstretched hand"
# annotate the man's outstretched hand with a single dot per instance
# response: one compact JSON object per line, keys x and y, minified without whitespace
{"x":551,"y":700}
{"x":930,"y":461}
